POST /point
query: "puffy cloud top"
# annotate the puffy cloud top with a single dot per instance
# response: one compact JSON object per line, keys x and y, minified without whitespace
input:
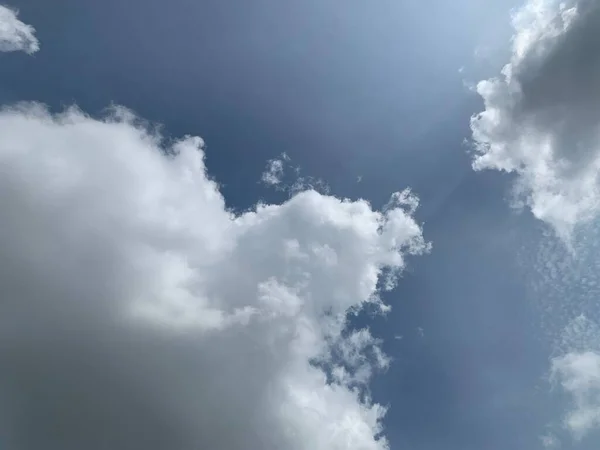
{"x":541,"y":119}
{"x":138,"y":312}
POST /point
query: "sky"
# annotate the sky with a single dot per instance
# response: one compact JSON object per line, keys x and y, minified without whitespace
{"x":299,"y":225}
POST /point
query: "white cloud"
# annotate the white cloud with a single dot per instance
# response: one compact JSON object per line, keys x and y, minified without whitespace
{"x":138,"y":312}
{"x":565,"y":285}
{"x":576,"y":371}
{"x":16,"y":35}
{"x":579,"y":377}
{"x":550,"y":441}
{"x":274,"y":172}
{"x":541,"y":119}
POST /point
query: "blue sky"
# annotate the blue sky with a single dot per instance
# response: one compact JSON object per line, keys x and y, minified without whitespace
{"x":369,"y":98}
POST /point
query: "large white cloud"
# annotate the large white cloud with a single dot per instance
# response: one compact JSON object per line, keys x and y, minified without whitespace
{"x":541,"y":118}
{"x":16,"y":35}
{"x":138,"y":312}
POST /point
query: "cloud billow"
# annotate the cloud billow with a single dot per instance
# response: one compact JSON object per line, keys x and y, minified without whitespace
{"x":541,"y":118}
{"x":138,"y":312}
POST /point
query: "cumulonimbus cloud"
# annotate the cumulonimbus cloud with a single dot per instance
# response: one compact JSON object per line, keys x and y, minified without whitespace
{"x":541,"y":118}
{"x":16,"y":35}
{"x":138,"y":312}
